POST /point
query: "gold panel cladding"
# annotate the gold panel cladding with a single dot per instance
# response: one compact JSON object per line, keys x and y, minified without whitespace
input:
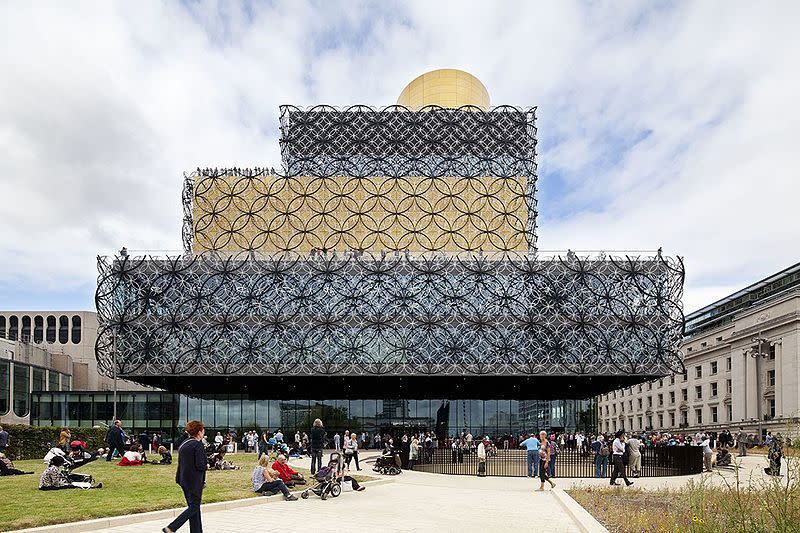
{"x":277,"y":213}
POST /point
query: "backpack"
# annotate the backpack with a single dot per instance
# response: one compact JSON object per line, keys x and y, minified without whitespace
{"x":626,"y":455}
{"x":604,"y":450}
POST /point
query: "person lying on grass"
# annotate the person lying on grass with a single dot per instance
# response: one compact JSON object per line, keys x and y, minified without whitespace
{"x":7,"y":467}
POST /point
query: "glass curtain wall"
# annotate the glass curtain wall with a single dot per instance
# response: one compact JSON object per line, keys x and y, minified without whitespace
{"x":5,"y":386}
{"x":168,"y":413}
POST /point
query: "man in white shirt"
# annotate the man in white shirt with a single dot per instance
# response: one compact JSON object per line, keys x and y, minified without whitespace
{"x":617,"y":451}
{"x":279,"y":436}
{"x":707,"y":452}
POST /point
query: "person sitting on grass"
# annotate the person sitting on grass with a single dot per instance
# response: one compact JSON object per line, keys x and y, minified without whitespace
{"x":267,"y":482}
{"x":78,"y":455}
{"x":219,"y":461}
{"x":53,"y":479}
{"x":166,"y":457}
{"x":7,"y":467}
{"x":132,"y":457}
{"x":287,"y":474}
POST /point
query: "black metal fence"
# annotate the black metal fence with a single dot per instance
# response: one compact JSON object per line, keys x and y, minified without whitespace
{"x":571,"y":463}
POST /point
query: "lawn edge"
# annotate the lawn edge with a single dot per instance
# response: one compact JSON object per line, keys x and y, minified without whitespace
{"x":163,"y":514}
{"x":583,"y":518}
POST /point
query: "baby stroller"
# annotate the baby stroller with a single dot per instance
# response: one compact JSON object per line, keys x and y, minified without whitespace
{"x":389,"y":463}
{"x":329,"y":479}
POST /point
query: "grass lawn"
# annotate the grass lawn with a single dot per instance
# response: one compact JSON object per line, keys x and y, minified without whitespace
{"x":125,"y":490}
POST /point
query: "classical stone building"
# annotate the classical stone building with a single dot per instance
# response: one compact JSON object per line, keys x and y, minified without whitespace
{"x":742,"y":358}
{"x":52,"y":352}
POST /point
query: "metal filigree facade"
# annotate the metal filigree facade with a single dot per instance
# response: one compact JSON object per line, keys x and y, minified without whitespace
{"x":404,"y":315}
{"x":392,"y":243}
{"x":377,"y":179}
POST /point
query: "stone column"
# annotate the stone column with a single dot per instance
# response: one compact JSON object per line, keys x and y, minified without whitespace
{"x":751,"y":387}
{"x":738,"y":384}
{"x":779,"y":378}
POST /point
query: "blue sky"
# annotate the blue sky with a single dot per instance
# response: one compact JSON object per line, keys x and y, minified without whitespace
{"x":668,"y":124}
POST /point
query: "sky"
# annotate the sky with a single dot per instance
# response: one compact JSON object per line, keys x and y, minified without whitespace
{"x":660,"y":124}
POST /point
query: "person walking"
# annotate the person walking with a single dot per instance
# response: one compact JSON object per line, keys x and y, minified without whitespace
{"x":708,"y":453}
{"x":413,"y":452}
{"x":115,"y":438}
{"x":544,"y":454}
{"x":617,"y":451}
{"x":317,"y":445}
{"x":635,"y":458}
{"x":600,"y":450}
{"x":337,"y":442}
{"x":532,"y":444}
{"x":191,"y":476}
{"x":4,"y":439}
{"x":482,"y":458}
{"x":553,"y":455}
{"x":351,"y":450}
{"x":741,"y":441}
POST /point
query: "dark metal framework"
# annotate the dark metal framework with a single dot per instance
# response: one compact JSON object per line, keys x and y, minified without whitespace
{"x":394,"y":314}
{"x":462,"y":157}
{"x":320,"y":272}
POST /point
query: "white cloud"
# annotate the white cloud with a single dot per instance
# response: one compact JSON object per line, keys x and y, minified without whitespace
{"x":672,"y":126}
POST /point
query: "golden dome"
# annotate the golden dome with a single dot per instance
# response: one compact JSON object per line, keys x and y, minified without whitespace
{"x":446,"y":87}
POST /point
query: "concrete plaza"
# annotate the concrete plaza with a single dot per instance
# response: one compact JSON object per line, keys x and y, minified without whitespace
{"x":417,"y":501}
{"x":411,"y":502}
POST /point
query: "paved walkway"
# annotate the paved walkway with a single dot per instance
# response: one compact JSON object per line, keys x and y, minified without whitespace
{"x":414,"y":501}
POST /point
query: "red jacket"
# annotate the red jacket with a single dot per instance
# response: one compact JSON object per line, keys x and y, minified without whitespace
{"x":285,"y":472}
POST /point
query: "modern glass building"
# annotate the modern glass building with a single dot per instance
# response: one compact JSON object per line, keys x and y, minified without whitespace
{"x":168,"y":413}
{"x":392,"y":262}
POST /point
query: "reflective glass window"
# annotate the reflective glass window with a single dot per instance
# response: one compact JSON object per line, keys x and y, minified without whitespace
{"x":13,"y":328}
{"x":51,"y":329}
{"x":66,"y":382}
{"x":2,"y":327}
{"x":38,"y":329}
{"x":5,"y":386}
{"x":63,"y":329}
{"x":22,"y":384}
{"x":262,"y":414}
{"x":73,"y":410}
{"x":26,"y":329}
{"x":53,"y":381}
{"x":193,"y":408}
{"x":76,"y":329}
{"x":248,"y":414}
{"x":39,"y":377}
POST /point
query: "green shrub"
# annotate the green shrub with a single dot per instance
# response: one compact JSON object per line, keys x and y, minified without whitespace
{"x":32,"y":442}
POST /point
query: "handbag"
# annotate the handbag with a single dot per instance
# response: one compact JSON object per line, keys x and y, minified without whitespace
{"x":347,"y":486}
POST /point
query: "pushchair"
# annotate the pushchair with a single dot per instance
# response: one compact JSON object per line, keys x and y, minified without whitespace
{"x":329,"y":479}
{"x":389,"y":463}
